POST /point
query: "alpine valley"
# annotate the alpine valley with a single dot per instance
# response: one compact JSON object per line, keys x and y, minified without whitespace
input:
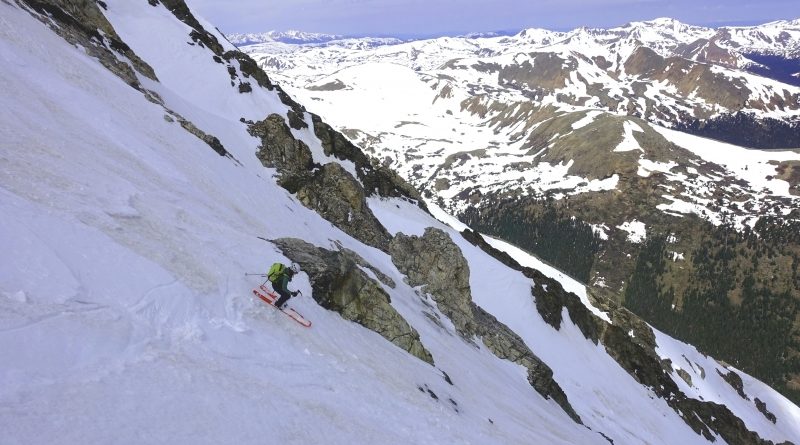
{"x":632,"y":158}
{"x":147,"y":166}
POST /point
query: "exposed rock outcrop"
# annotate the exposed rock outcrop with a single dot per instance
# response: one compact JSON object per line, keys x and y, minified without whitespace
{"x":376,"y":178}
{"x":250,"y":68}
{"x":436,"y":263}
{"x":688,"y":77}
{"x":544,"y":72}
{"x":279,"y":149}
{"x":82,"y":23}
{"x":735,"y":380}
{"x":762,"y":407}
{"x":210,"y":140}
{"x":330,"y":189}
{"x":340,"y":285}
{"x":337,"y":196}
{"x":296,"y":119}
{"x":198,"y":34}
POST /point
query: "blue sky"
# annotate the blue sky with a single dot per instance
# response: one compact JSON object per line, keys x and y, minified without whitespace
{"x":407,"y":18}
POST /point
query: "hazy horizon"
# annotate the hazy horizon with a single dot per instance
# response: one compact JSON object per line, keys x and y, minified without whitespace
{"x":497,"y":31}
{"x":419,"y":18}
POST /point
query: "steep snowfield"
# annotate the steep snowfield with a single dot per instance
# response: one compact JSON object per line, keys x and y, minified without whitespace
{"x":125,"y":315}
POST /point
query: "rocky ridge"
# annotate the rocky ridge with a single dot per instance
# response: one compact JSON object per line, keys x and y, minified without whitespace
{"x":341,"y":285}
{"x":434,"y":262}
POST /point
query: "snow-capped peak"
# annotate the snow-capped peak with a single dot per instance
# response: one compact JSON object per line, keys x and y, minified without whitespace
{"x":661,"y":22}
{"x":291,"y":37}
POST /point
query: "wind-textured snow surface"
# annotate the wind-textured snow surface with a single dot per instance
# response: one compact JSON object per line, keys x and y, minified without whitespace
{"x":125,"y":315}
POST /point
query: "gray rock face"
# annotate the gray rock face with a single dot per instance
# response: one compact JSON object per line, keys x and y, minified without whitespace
{"x":249,"y":68}
{"x":377,"y":179}
{"x":435,"y":262}
{"x":296,"y":120}
{"x":329,"y":190}
{"x":340,"y":285}
{"x":762,"y":407}
{"x":336,"y":195}
{"x":198,"y":34}
{"x":210,"y":140}
{"x":735,"y":380}
{"x":82,"y":23}
{"x":685,"y":376}
{"x":279,"y":149}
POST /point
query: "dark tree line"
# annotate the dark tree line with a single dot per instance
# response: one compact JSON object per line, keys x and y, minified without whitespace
{"x":543,"y":229}
{"x":757,"y":331}
{"x":746,"y":130}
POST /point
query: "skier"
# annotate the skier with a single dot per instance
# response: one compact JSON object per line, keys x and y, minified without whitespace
{"x":279,"y":276}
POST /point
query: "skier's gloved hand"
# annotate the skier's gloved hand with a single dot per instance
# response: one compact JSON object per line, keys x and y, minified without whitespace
{"x":294,"y":294}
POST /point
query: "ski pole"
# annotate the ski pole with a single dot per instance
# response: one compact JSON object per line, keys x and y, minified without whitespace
{"x":255,"y":274}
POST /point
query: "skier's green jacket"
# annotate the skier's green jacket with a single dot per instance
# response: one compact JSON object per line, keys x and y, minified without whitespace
{"x":280,"y":276}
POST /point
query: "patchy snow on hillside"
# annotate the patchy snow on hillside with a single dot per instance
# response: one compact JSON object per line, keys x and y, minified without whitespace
{"x":755,"y":166}
{"x":601,"y":230}
{"x":451,"y":125}
{"x":648,"y":167}
{"x":586,"y":120}
{"x":629,"y":142}
{"x":637,"y":231}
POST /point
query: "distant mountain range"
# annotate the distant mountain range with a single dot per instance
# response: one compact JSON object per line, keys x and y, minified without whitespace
{"x":308,"y":38}
{"x":565,"y":143}
{"x":290,"y":37}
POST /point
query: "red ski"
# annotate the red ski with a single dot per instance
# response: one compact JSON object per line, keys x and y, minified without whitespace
{"x":270,"y":297}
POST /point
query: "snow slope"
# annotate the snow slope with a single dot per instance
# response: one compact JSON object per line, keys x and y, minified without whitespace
{"x":123,"y":275}
{"x":125,"y":316}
